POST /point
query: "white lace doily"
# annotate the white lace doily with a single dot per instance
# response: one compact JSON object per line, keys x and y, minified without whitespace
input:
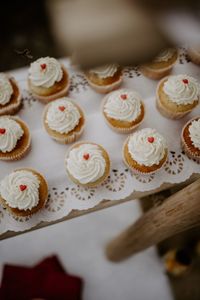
{"x":47,"y":156}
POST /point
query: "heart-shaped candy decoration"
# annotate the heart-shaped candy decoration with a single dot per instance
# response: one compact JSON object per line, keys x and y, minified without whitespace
{"x":150,"y":139}
{"x":86,"y":156}
{"x":61,"y":108}
{"x":2,"y":130}
{"x":23,"y":187}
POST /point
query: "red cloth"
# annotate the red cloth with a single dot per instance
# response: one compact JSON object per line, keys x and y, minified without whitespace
{"x":46,"y":280}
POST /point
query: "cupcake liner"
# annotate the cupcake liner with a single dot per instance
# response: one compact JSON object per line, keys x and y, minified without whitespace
{"x":194,"y":56}
{"x":43,"y":190}
{"x":71,"y":137}
{"x":12,"y":156}
{"x":174,"y":115}
{"x":136,"y":171}
{"x":103,"y":89}
{"x":13,"y":108}
{"x":184,"y":145}
{"x":155,"y":74}
{"x":119,"y":129}
{"x":90,"y":184}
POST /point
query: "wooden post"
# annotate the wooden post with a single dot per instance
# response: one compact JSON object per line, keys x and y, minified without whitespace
{"x":179,"y":212}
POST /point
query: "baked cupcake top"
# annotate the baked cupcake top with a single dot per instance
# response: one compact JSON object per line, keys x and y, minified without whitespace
{"x":182,"y":89}
{"x":123,"y":105}
{"x":86,"y":163}
{"x":20,"y":189}
{"x":10,"y":133}
{"x":45,"y":72}
{"x":147,"y":147}
{"x":62,"y":115}
{"x":194,"y":133}
{"x":6,"y":89}
{"x":165,"y":55}
{"x":105,"y":71}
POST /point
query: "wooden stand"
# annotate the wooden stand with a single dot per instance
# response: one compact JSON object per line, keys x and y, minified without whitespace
{"x":179,"y":212}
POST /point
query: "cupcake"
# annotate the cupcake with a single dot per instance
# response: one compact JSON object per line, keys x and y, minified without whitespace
{"x":87,"y":164}
{"x":15,"y":139}
{"x":194,"y":54}
{"x":177,"y":262}
{"x":64,"y":120}
{"x":162,"y":64}
{"x":190,"y":138}
{"x":23,"y":192}
{"x":48,"y":79}
{"x":123,"y":110}
{"x":145,"y":151}
{"x":10,"y":96}
{"x":177,"y":95}
{"x":104,"y":79}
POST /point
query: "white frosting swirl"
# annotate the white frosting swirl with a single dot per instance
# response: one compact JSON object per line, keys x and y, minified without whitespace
{"x":194,"y":130}
{"x":105,"y":71}
{"x":180,"y":92}
{"x":123,"y":105}
{"x":86,"y":170}
{"x":6,"y":89}
{"x":62,"y":116}
{"x":45,"y":71}
{"x":165,"y":55}
{"x":145,"y":152}
{"x":20,"y":189}
{"x":9,"y":138}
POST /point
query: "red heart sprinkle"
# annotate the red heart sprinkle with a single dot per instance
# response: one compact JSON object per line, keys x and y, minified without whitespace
{"x":2,"y":130}
{"x":62,"y":108}
{"x":23,"y":187}
{"x":86,"y":156}
{"x":123,"y":96}
{"x":43,"y":66}
{"x":185,"y":81}
{"x":151,"y":139}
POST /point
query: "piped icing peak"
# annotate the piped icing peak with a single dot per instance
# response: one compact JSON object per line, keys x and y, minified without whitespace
{"x":62,"y":115}
{"x":20,"y":189}
{"x":45,"y":72}
{"x":105,"y":71}
{"x":123,"y":105}
{"x":6,"y":89}
{"x":182,"y":89}
{"x":86,"y":163}
{"x":147,"y":147}
{"x":10,"y":133}
{"x":194,"y":133}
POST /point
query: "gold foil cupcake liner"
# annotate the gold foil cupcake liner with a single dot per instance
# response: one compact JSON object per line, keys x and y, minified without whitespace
{"x":119,"y":129}
{"x":97,"y":182}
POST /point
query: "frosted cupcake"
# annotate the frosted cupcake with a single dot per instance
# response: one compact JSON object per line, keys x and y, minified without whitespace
{"x":10,"y":95}
{"x":48,"y":79}
{"x":194,"y":54}
{"x":145,"y":151}
{"x":87,"y":164}
{"x":15,"y":139}
{"x":123,"y":110}
{"x":64,"y":120}
{"x":177,"y":95}
{"x":104,"y":79}
{"x":23,"y":192}
{"x":190,"y":138}
{"x":162,"y":64}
